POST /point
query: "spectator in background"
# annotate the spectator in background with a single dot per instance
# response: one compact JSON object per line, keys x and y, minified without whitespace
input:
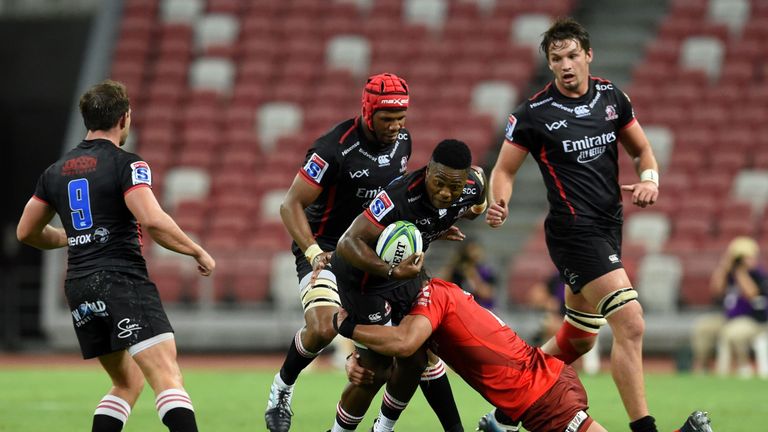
{"x":741,"y":285}
{"x":468,"y":270}
{"x":549,"y":297}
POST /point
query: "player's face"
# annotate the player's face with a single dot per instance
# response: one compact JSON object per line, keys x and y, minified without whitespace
{"x":126,"y":129}
{"x":569,"y":62}
{"x":444,"y":184}
{"x":387,"y":125}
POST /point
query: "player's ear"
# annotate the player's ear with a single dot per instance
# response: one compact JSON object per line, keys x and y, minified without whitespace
{"x":589,"y":55}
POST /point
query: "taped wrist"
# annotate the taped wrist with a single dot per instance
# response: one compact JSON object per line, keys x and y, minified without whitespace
{"x":347,"y":326}
{"x":650,"y":175}
{"x":312,"y":252}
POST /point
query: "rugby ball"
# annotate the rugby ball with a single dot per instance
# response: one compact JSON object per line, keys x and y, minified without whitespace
{"x":398,"y":241}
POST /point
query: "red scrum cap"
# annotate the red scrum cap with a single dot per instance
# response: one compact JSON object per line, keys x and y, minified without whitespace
{"x":383,"y":91}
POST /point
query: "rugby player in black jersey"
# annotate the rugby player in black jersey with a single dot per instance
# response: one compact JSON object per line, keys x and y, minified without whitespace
{"x":104,"y":198}
{"x":374,"y":292}
{"x":343,"y":171}
{"x":572,"y":128}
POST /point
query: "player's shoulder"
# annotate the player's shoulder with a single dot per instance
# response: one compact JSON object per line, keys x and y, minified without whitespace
{"x":604,"y":85}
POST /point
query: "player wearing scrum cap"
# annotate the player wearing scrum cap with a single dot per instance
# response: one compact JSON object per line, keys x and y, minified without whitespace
{"x":342,"y":172}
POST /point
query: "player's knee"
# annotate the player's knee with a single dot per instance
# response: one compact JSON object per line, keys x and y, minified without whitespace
{"x":629,"y":325}
{"x":319,"y":332}
{"x":132,"y":384}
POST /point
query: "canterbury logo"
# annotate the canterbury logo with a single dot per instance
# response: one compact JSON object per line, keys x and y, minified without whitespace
{"x":399,"y":101}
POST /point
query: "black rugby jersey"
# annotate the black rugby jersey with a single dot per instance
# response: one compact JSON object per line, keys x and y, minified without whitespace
{"x":575,"y":142}
{"x":351,"y":170}
{"x":86,"y":187}
{"x":406,"y":199}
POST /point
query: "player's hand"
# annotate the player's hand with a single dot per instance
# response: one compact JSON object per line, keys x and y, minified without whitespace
{"x":497,"y":213}
{"x":453,"y":234}
{"x":341,"y":316}
{"x":205,"y":263}
{"x":357,"y":374}
{"x":410,"y":267}
{"x":321,"y":260}
{"x":644,"y":193}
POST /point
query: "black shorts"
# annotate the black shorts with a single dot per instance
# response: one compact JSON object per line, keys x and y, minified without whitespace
{"x":381,"y":307}
{"x":583,"y":253}
{"x":112,"y":311}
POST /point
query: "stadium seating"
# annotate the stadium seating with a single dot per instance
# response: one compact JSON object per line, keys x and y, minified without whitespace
{"x":228,"y":95}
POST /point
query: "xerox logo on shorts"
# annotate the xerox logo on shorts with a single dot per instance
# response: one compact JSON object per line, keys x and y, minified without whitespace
{"x":381,"y":205}
{"x":315,"y":167}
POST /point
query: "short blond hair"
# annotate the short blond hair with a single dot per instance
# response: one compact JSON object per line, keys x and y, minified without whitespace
{"x":743,"y":247}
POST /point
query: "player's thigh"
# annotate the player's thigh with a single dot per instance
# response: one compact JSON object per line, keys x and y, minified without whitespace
{"x":597,"y":290}
{"x":159,"y":365}
{"x":121,"y":368}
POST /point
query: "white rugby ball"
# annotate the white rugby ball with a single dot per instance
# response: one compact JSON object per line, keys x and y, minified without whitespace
{"x":398,"y":241}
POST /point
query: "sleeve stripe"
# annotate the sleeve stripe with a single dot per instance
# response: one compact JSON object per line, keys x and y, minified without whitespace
{"x":127,"y":191}
{"x":41,"y":200}
{"x":506,"y":141}
{"x":370,"y":217}
{"x":631,"y":122}
{"x":303,"y":174}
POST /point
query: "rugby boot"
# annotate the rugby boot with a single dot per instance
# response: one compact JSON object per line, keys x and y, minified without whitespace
{"x":278,"y":414}
{"x":698,"y":421}
{"x":488,"y":423}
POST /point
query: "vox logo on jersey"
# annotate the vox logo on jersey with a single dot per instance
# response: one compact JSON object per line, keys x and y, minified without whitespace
{"x":556,"y":125}
{"x":316,"y":167}
{"x":359,"y":174}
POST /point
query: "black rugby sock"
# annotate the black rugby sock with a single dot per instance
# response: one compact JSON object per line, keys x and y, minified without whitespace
{"x":440,"y":397}
{"x":295,"y":362}
{"x":645,"y":424}
{"x":105,"y":423}
{"x":180,"y":420}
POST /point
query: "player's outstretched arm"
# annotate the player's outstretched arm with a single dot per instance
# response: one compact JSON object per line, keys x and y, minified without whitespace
{"x":646,"y":191}
{"x":502,"y":183}
{"x":402,"y":340}
{"x":33,"y":228}
{"x":164,"y":230}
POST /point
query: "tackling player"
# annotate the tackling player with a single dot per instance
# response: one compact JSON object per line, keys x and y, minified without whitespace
{"x":521,"y":381}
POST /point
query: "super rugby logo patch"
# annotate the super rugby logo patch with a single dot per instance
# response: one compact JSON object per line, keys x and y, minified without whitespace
{"x":381,"y":205}
{"x":140,"y":173}
{"x":510,"y":130}
{"x":316,"y":167}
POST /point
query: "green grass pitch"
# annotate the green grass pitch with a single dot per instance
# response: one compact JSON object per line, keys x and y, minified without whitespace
{"x":46,"y":399}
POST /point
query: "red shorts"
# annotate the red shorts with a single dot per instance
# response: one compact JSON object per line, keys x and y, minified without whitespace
{"x":562,"y":408}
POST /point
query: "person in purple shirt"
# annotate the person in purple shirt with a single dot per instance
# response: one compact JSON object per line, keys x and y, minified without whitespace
{"x":469,"y":270}
{"x":741,"y":285}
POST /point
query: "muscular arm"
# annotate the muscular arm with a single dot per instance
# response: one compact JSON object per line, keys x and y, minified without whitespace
{"x":502,"y":182}
{"x":163,"y":229}
{"x":399,"y":341}
{"x":638,"y":147}
{"x":354,"y":247}
{"x":300,"y":195}
{"x":33,"y":228}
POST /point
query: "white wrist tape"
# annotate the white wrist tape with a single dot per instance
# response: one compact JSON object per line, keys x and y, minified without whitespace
{"x":650,"y":175}
{"x":312,"y":251}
